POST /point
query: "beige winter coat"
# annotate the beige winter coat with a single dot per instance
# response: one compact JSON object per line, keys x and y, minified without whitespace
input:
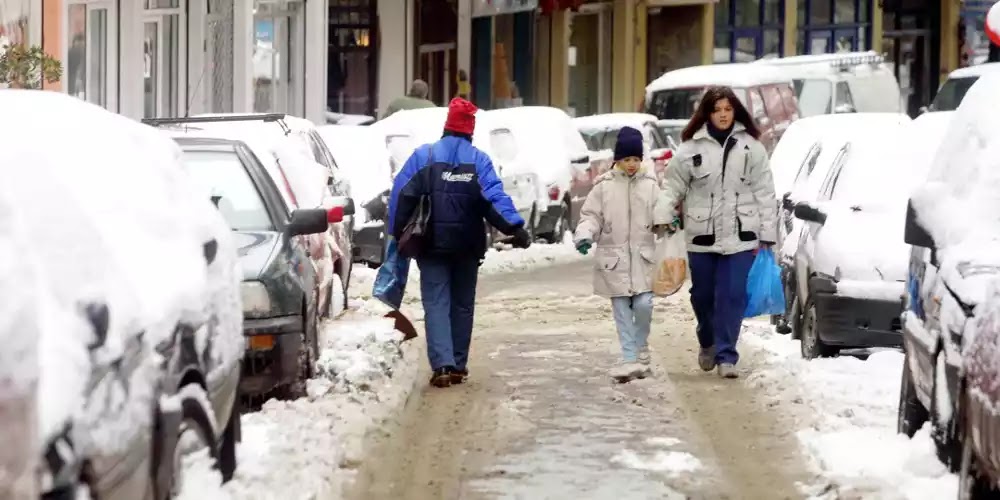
{"x":618,"y":218}
{"x":729,"y":203}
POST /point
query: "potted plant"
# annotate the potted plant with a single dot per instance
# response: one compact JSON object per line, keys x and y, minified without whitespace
{"x":23,"y":67}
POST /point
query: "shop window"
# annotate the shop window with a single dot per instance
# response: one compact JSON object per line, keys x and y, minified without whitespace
{"x":279,"y":57}
{"x":819,"y":12}
{"x":773,"y":12}
{"x":772,"y":43}
{"x":800,"y":19}
{"x":162,"y":53}
{"x":750,"y":30}
{"x":90,"y":53}
{"x":723,"y":43}
{"x":846,"y":11}
{"x":353,"y":57}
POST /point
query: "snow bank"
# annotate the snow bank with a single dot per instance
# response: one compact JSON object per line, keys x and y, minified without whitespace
{"x":852,"y":438}
{"x":308,"y":448}
{"x":546,"y":141}
{"x":361,"y":154}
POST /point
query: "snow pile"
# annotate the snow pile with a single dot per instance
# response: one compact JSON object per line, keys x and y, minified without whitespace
{"x":852,"y":440}
{"x":534,"y":128}
{"x":673,"y":462}
{"x":535,"y":256}
{"x":308,"y":448}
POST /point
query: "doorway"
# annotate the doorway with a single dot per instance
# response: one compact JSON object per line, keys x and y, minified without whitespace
{"x":91,"y":52}
{"x":437,"y":63}
{"x":279,"y":57}
{"x":164,"y":47}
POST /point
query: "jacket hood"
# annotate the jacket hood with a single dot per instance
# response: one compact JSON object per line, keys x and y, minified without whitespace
{"x":256,"y":250}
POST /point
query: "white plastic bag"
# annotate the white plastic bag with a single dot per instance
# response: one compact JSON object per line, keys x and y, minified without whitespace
{"x":671,"y":265}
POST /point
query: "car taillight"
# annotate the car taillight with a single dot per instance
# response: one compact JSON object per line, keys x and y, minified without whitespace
{"x":554,"y":193}
{"x":668,"y":154}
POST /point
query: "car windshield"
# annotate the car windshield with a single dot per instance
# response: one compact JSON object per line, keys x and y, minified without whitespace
{"x":814,"y":97}
{"x":675,"y":104}
{"x":671,"y":132}
{"x":222,"y":175}
{"x":950,"y":94}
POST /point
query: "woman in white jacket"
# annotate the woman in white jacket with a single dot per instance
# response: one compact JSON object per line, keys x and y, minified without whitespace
{"x":618,"y":217}
{"x":720,"y":172}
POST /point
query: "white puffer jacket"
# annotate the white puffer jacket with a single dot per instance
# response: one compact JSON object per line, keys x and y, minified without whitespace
{"x":728,"y":193}
{"x":618,"y":217}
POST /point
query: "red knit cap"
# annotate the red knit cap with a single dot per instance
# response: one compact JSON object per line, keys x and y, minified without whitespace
{"x":461,"y":116}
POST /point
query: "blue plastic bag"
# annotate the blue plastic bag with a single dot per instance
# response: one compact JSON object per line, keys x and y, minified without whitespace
{"x":765,"y":292}
{"x":390,"y":282}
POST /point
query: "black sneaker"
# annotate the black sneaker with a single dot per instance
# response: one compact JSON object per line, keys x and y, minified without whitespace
{"x":458,"y":376}
{"x":441,"y":377}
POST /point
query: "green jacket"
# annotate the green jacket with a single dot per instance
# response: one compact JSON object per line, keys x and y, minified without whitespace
{"x":407,"y":102}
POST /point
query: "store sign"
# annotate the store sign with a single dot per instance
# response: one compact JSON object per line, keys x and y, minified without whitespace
{"x":265,"y":30}
{"x":484,"y":8}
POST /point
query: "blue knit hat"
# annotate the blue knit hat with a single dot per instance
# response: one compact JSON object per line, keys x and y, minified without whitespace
{"x":629,"y":143}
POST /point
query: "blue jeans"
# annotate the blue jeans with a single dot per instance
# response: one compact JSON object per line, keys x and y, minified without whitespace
{"x":632,"y":318}
{"x":719,"y":298}
{"x":448,"y":286}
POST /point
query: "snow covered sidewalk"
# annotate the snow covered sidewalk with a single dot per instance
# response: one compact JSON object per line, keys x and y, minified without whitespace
{"x":852,"y":437}
{"x":310,"y":447}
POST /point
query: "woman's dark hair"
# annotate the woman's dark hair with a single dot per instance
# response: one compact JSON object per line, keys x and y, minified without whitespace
{"x":703,"y":114}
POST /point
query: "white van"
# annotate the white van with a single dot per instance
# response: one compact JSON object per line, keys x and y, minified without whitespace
{"x":953,"y":90}
{"x":841,"y":83}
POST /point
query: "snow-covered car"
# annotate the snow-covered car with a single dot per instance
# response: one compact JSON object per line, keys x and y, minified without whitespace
{"x":952,"y":226}
{"x":548,"y":147}
{"x":672,"y":129}
{"x":288,"y":147}
{"x":848,"y":82}
{"x":364,"y":159}
{"x":850,"y":264}
{"x":799,"y":165}
{"x":978,"y":455}
{"x":135,"y":315}
{"x":600,"y":132}
{"x":281,"y":302}
{"x":408,"y":129}
{"x":953,"y":90}
{"x":764,"y":90}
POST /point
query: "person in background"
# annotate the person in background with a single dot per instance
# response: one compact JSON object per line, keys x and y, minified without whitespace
{"x":464,"y":87}
{"x":721,"y":173}
{"x":618,"y":217}
{"x":463,"y":189}
{"x":416,"y":98}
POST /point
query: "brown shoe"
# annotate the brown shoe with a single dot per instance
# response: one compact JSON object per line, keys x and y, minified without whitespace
{"x":441,"y":377}
{"x":459,"y":376}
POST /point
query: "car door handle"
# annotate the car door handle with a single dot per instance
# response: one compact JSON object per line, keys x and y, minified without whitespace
{"x":210,"y":249}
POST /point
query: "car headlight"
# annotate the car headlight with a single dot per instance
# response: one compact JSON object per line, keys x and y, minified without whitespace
{"x":256,"y":300}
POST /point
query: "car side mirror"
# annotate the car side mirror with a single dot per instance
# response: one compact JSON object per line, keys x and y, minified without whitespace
{"x":308,"y":221}
{"x":809,"y":213}
{"x":662,"y":154}
{"x":915,"y":234}
{"x":347,"y":203}
{"x":787,"y":203}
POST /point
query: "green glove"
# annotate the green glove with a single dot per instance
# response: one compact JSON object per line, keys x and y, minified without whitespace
{"x":583,"y":247}
{"x":674,"y":225}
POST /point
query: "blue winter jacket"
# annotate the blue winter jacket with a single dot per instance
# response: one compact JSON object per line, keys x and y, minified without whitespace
{"x":463,"y":188}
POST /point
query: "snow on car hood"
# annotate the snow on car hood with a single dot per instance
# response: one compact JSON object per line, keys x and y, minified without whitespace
{"x":362,"y":156}
{"x":111,"y":218}
{"x":865,"y":246}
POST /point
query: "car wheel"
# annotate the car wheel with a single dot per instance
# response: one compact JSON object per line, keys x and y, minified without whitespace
{"x":230,"y":436}
{"x":810,"y":345}
{"x":911,"y":415}
{"x":973,"y":483}
{"x":532,"y":222}
{"x":308,"y":350}
{"x":795,"y":318}
{"x":942,"y":418}
{"x":195,"y":432}
{"x":561,"y":226}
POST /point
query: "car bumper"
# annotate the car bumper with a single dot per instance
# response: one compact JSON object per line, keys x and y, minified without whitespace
{"x":857,"y":322}
{"x":368,"y":244}
{"x":272,"y":354}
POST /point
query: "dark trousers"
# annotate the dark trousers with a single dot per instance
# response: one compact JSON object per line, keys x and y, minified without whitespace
{"x":448,"y":286}
{"x":719,"y":298}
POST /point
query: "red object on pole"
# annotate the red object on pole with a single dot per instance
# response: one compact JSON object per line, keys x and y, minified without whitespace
{"x":992,"y":25}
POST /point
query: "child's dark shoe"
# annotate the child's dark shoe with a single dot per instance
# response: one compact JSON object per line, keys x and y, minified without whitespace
{"x":441,"y":377}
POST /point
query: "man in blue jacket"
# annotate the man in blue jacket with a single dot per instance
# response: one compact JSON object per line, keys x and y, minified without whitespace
{"x":463,"y":189}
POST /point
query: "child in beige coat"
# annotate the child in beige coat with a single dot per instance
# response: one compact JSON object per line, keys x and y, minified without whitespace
{"x":618,"y":218}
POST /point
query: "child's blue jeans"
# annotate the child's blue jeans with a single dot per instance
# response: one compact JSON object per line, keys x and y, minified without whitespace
{"x":633,"y":316}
